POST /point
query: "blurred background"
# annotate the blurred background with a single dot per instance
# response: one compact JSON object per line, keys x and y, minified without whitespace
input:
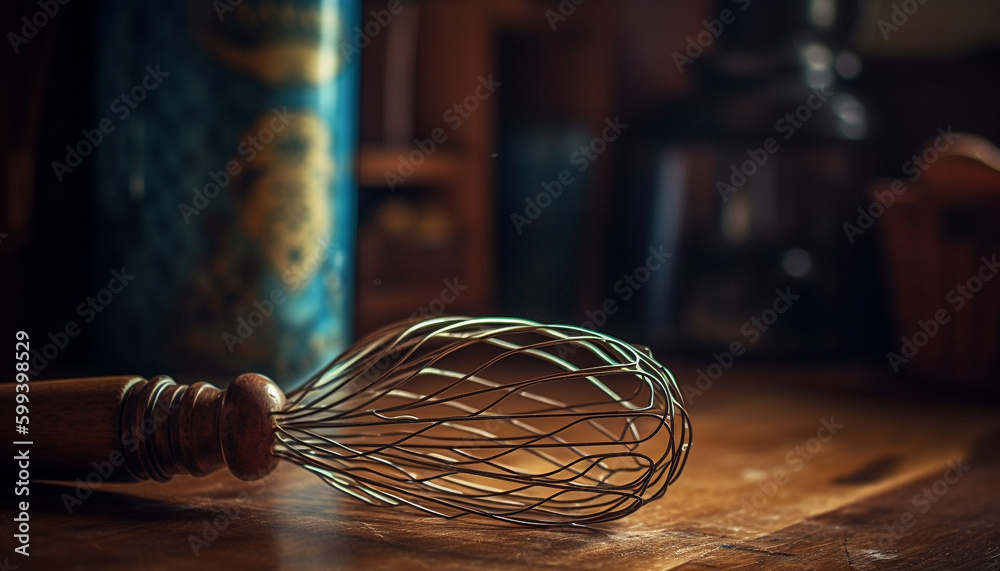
{"x":713,"y":179}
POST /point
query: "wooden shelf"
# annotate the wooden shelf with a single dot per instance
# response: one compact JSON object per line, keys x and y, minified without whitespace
{"x":443,"y":167}
{"x":455,"y":47}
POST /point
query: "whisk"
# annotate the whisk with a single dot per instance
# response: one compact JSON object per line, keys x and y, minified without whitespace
{"x":503,"y":418}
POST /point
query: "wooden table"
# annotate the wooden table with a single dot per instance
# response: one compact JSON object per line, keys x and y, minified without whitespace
{"x":790,"y":469}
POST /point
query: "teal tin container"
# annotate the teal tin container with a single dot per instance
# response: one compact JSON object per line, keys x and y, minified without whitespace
{"x":225,"y":184}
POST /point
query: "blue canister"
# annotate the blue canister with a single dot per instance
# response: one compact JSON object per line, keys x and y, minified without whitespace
{"x":225,"y":184}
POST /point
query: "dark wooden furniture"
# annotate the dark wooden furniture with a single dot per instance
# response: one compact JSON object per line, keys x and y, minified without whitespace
{"x":791,"y":469}
{"x":455,"y":54}
{"x":564,"y":72}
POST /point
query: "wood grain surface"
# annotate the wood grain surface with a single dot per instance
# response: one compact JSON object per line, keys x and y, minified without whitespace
{"x":906,"y":482}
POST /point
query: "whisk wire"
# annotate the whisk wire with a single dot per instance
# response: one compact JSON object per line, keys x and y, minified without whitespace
{"x":495,"y":417}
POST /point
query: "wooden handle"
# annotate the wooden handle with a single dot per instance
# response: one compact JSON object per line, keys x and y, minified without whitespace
{"x":128,"y":428}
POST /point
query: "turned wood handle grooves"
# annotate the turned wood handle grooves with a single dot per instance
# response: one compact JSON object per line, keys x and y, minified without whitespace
{"x":130,"y":428}
{"x":168,"y":429}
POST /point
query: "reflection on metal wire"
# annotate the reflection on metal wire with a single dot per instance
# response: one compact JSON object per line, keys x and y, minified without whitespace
{"x":504,"y":418}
